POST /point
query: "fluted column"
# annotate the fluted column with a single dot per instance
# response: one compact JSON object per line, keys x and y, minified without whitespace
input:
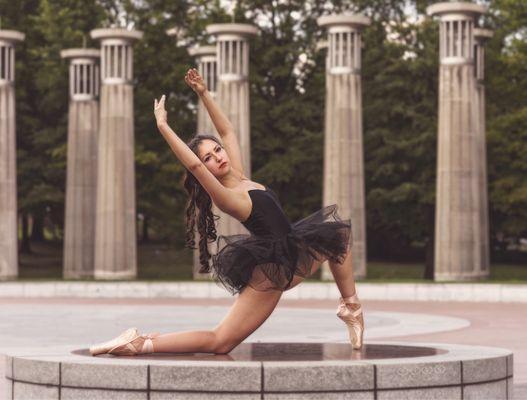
{"x":206,"y":62}
{"x":81,"y":176}
{"x":343,"y":144}
{"x":480,"y":38}
{"x":8,"y":182}
{"x":115,"y":226}
{"x":207,"y":67}
{"x":458,"y":206}
{"x":232,"y":52}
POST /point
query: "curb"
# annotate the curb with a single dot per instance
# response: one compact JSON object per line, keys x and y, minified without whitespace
{"x":468,"y":292}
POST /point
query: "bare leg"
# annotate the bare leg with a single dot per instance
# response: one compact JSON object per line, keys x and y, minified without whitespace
{"x":250,"y":309}
{"x":343,"y":275}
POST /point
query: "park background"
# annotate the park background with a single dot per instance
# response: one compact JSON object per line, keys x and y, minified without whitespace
{"x":287,"y":89}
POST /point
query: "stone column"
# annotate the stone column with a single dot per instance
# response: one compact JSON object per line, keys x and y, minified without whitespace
{"x":8,"y":198}
{"x":207,"y":67}
{"x":458,"y":207}
{"x":115,"y":226}
{"x":343,"y":145}
{"x":81,"y":178}
{"x":480,"y":37}
{"x":232,"y":52}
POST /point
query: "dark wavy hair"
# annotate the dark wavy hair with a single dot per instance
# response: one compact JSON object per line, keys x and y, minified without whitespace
{"x":199,"y":207}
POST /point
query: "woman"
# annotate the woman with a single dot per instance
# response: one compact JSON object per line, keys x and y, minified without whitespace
{"x":277,"y":255}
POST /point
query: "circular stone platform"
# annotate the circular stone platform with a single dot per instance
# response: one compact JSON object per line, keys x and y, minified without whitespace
{"x":380,"y":370}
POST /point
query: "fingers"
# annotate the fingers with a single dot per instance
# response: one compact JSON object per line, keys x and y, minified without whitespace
{"x":160,"y":103}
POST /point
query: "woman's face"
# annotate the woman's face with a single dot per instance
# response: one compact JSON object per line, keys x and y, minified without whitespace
{"x":214,"y":156}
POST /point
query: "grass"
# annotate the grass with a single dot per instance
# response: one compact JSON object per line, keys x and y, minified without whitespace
{"x":159,"y":262}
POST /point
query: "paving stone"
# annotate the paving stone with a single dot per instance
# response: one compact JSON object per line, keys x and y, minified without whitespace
{"x":361,"y":395}
{"x":203,"y":396}
{"x":112,"y":376}
{"x":329,"y":375}
{"x":418,"y":374}
{"x":27,"y":391}
{"x":208,"y":376}
{"x":91,"y":394}
{"x":450,"y":393}
{"x":36,"y":371}
{"x":492,"y":390}
{"x":484,"y":369}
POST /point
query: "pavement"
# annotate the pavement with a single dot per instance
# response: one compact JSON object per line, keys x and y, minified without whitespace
{"x":29,"y":321}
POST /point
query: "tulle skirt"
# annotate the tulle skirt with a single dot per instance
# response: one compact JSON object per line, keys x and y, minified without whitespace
{"x":270,"y":263}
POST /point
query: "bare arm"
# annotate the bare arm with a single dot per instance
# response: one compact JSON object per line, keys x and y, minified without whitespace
{"x":228,"y":200}
{"x":218,"y":117}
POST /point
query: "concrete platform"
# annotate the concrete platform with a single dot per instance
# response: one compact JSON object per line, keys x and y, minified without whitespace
{"x":380,"y":370}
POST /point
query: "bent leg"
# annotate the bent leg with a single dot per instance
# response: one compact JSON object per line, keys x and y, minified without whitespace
{"x":250,"y":309}
{"x":343,"y":275}
{"x":314,"y":267}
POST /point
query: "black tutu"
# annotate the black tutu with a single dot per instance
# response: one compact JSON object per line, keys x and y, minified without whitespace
{"x":270,"y":263}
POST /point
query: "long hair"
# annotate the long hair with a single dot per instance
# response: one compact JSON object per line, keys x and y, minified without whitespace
{"x":199,"y":207}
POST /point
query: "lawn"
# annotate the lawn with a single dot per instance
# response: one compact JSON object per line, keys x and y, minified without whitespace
{"x":160,"y":262}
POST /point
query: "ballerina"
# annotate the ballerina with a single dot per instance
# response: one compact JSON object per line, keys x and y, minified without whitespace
{"x":275,"y":256}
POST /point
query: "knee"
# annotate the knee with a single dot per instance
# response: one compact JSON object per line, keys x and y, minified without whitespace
{"x":223,"y":345}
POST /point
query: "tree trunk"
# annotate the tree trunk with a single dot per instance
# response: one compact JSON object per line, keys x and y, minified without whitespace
{"x":25,"y":246}
{"x":145,"y":238}
{"x":37,"y":231}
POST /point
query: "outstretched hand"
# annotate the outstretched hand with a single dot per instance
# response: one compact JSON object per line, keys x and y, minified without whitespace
{"x":195,"y":81}
{"x":159,"y":110}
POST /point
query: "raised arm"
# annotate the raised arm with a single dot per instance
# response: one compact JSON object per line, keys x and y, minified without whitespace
{"x":228,"y":200}
{"x":218,"y":117}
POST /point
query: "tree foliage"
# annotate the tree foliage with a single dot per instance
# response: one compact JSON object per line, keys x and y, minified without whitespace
{"x":399,"y":78}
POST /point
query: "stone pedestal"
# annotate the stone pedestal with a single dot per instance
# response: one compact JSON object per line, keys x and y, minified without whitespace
{"x":232,"y":52}
{"x":343,"y":145}
{"x":81,"y":178}
{"x":207,"y":67}
{"x":8,"y":191}
{"x":115,"y":227}
{"x":458,"y":236}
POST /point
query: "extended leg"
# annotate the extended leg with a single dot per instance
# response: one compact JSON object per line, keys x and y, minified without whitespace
{"x":250,"y":309}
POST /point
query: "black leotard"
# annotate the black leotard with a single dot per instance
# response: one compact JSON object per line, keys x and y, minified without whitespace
{"x":275,"y":249}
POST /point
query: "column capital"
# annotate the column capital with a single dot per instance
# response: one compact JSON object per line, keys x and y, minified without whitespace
{"x":84,"y":72}
{"x":202,"y":52}
{"x":351,"y":21}
{"x":207,"y":64}
{"x":480,"y":38}
{"x":72,"y":54}
{"x":105,"y":34}
{"x":447,"y":9}
{"x":344,"y":42}
{"x":456,"y":30}
{"x":8,"y":41}
{"x":230,"y":29}
{"x":232,"y":49}
{"x":10,"y":36}
{"x":322,"y":45}
{"x":116,"y":54}
{"x":482,"y":35}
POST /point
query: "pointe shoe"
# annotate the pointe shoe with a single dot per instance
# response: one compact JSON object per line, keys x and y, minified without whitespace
{"x":143,"y":345}
{"x":353,"y":319}
{"x":102,"y":348}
